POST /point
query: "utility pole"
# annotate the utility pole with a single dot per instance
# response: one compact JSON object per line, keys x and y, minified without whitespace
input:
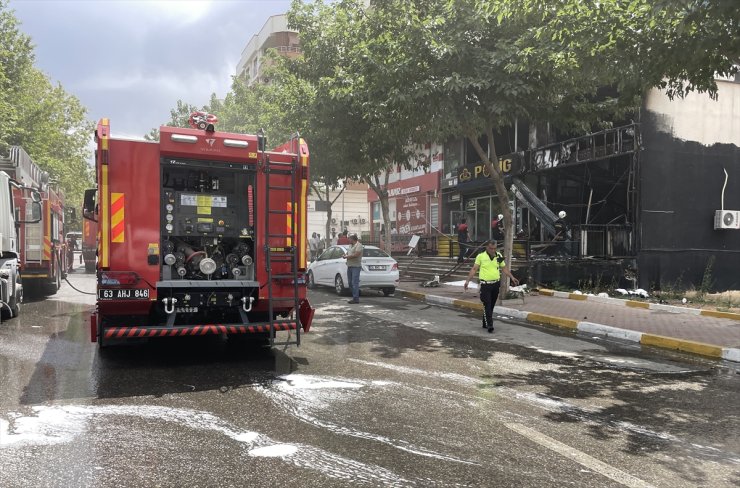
{"x":344,"y":190}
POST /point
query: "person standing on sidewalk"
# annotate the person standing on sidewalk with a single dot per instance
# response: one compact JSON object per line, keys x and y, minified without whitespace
{"x":313,"y":246}
{"x":490,"y":265}
{"x":462,"y":240}
{"x":354,"y":265}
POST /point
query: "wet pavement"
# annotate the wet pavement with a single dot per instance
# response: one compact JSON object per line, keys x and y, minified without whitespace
{"x":390,"y":392}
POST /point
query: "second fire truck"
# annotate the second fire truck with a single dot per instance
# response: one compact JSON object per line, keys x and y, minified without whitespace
{"x":41,"y":244}
{"x":202,"y":232}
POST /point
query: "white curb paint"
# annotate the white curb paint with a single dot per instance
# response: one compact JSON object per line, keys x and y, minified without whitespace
{"x":675,"y":309}
{"x":731,"y":354}
{"x":609,"y":331}
{"x":440,"y":300}
{"x":519,"y":314}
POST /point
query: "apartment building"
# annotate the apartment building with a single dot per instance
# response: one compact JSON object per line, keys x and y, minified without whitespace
{"x":274,"y":34}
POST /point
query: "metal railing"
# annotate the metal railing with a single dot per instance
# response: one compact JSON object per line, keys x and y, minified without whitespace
{"x":427,"y":246}
{"x":592,"y":147}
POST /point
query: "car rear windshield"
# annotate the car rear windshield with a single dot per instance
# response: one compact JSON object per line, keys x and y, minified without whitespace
{"x":374,"y":253}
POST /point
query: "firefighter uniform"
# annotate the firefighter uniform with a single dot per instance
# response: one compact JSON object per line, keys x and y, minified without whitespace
{"x":489,"y":282}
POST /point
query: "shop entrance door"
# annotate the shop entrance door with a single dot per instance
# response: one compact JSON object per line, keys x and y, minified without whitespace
{"x":482,"y":229}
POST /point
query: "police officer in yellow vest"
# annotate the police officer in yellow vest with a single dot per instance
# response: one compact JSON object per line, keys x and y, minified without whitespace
{"x":491,"y":266}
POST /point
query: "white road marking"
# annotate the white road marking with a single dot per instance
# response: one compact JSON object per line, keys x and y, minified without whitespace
{"x":580,"y":457}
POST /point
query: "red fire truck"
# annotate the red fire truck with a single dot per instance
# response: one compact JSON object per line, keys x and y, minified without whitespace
{"x":200,"y":233}
{"x":43,"y":256}
{"x":89,"y":243}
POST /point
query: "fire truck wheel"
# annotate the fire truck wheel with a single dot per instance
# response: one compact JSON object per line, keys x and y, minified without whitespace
{"x":309,"y":280}
{"x":339,"y":286}
{"x":14,"y":309}
{"x":52,"y":288}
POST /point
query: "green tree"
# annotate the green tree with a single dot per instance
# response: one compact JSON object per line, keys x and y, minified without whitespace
{"x":473,"y":67}
{"x":41,"y":117}
{"x":365,"y":137}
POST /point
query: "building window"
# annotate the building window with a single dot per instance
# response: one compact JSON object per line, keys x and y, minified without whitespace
{"x":453,"y":157}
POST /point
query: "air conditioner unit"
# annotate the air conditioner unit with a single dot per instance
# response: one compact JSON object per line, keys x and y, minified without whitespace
{"x":726,"y":219}
{"x":363,"y":221}
{"x":354,"y":221}
{"x":333,"y":221}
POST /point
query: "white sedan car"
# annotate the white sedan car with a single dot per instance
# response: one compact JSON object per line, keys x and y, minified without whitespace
{"x":379,"y":270}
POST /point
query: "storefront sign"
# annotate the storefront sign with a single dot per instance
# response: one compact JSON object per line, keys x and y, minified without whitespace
{"x":428,"y":182}
{"x":411,"y":215}
{"x":476,"y":176}
{"x":394,"y":192}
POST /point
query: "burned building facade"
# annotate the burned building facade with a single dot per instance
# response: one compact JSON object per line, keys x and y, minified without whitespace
{"x":651,"y":203}
{"x":689,"y":190}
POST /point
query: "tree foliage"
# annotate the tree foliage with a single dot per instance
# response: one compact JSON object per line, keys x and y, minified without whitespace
{"x":363,"y":136}
{"x":41,"y":116}
{"x":473,"y":67}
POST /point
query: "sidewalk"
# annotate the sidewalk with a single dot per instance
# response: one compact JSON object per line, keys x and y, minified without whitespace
{"x":676,"y":328}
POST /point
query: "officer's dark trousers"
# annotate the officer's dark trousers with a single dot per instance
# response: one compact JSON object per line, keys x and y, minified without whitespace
{"x":489,"y":295}
{"x":463,"y":251}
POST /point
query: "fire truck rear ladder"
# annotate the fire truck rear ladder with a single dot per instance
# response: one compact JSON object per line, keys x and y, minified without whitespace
{"x":287,"y":253}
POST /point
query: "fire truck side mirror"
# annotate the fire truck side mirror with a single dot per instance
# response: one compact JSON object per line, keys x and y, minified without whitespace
{"x":88,"y":205}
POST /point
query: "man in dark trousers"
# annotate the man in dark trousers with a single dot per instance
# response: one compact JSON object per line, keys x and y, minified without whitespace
{"x":497,"y":227}
{"x":561,"y":234}
{"x":490,"y":265}
{"x":354,"y":267}
{"x":462,"y":240}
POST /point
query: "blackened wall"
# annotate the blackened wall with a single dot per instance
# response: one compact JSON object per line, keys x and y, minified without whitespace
{"x":680,"y":185}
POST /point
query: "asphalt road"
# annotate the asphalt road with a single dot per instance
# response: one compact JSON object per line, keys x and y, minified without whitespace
{"x":389,"y":392}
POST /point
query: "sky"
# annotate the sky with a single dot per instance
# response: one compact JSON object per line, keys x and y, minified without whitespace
{"x":131,"y":60}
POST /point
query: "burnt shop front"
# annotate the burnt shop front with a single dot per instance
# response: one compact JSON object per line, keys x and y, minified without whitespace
{"x":479,"y":203}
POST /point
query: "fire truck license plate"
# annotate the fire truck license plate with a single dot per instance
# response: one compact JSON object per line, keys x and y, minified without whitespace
{"x":127,"y":294}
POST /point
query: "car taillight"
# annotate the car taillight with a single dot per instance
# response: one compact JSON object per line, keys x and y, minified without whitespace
{"x":394,"y":267}
{"x":118,"y":278}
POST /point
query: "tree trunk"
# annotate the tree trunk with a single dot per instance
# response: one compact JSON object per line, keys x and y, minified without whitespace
{"x":381,"y":189}
{"x":384,"y":207}
{"x":497,"y":177}
{"x":327,"y":236}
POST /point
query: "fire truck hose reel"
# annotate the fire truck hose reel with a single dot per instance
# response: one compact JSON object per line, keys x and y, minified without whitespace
{"x":244,"y":304}
{"x":169,"y":305}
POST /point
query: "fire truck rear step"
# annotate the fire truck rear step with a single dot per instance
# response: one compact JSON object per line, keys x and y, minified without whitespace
{"x":129,"y":332}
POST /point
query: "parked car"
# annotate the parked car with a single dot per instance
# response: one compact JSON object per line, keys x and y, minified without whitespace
{"x":379,"y":270}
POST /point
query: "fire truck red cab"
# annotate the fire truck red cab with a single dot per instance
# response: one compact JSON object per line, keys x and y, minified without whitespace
{"x":200,"y":233}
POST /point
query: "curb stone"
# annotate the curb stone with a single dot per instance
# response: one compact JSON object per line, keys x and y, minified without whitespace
{"x":652,"y":340}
